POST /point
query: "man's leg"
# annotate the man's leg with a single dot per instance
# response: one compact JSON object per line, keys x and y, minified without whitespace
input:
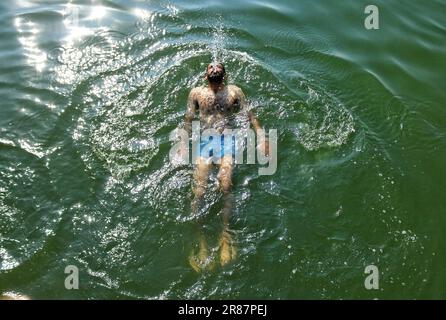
{"x":201,"y":175}
{"x":228,"y":250}
{"x":202,"y":260}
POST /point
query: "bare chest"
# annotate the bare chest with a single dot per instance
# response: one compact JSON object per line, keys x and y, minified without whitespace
{"x":221,"y":103}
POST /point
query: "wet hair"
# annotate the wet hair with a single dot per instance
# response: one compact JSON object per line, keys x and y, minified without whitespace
{"x":222,"y":66}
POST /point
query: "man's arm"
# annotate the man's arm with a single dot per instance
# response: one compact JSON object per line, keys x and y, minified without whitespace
{"x":190,"y":110}
{"x":262,"y":141}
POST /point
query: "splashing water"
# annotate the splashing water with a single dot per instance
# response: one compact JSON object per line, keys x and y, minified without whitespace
{"x":88,"y":181}
{"x":218,"y":42}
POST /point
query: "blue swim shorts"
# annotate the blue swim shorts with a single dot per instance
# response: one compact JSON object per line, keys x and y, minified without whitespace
{"x":212,"y":148}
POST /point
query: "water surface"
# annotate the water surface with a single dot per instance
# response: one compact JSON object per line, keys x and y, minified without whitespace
{"x":90,"y":91}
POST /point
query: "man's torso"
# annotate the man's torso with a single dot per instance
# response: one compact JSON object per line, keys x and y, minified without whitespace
{"x":217,"y":109}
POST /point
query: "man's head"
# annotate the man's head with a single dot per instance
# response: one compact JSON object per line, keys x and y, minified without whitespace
{"x":215,"y":73}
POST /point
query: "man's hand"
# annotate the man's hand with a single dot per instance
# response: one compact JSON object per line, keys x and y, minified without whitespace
{"x":263,"y":142}
{"x":183,"y":152}
{"x":263,"y":146}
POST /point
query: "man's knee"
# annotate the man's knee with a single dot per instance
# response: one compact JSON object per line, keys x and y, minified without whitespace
{"x":199,"y":190}
{"x":226,"y":185}
{"x":225,"y":178}
{"x":200,"y":177}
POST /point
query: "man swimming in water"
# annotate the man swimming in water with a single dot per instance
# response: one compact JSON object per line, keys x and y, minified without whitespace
{"x":216,"y":104}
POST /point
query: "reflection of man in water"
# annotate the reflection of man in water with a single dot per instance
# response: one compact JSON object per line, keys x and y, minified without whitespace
{"x":216,"y":105}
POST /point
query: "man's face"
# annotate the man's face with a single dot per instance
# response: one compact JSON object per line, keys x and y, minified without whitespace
{"x":215,"y":73}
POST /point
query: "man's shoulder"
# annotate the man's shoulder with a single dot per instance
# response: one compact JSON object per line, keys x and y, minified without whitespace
{"x":235,"y":89}
{"x":197,"y":90}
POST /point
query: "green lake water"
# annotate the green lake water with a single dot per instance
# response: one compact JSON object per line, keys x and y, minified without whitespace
{"x":90,"y":91}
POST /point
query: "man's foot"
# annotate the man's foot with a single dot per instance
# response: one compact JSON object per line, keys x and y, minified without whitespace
{"x":202,"y":261}
{"x":228,"y":250}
